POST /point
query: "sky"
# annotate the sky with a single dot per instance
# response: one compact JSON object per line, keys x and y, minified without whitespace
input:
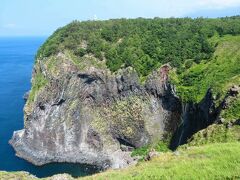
{"x":42,"y":17}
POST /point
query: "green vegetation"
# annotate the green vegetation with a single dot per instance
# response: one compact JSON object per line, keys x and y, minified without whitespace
{"x":213,"y":161}
{"x":16,"y":176}
{"x":142,"y":152}
{"x":233,"y":111}
{"x":215,"y":134}
{"x":161,"y":146}
{"x":39,"y":81}
{"x":86,"y":61}
{"x":144,"y":44}
{"x":219,"y":73}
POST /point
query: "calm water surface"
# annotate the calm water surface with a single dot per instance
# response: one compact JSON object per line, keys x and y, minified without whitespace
{"x":16,"y":62}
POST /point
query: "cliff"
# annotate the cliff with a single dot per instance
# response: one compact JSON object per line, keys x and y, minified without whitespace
{"x":90,"y":115}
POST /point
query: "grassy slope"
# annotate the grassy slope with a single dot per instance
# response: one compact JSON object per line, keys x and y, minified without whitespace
{"x":15,"y":176}
{"x":214,"y":161}
{"x":215,"y":134}
{"x":220,"y":73}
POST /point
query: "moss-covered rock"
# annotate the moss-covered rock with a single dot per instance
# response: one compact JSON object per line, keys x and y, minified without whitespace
{"x":215,"y":134}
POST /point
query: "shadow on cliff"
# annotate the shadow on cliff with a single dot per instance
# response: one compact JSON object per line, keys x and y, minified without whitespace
{"x":196,"y":117}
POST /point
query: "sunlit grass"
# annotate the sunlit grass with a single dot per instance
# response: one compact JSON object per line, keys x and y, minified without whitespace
{"x":215,"y":161}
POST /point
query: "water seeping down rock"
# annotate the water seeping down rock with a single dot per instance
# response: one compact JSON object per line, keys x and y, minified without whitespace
{"x":198,"y":116}
{"x":195,"y":117}
{"x":89,"y":115}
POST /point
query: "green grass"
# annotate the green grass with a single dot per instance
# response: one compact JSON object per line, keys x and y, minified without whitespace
{"x":86,"y":61}
{"x":39,"y":81}
{"x":233,"y":111}
{"x":159,"y":147}
{"x":15,"y":176}
{"x":142,"y":151}
{"x":215,"y":134}
{"x":220,"y":73}
{"x":213,"y":161}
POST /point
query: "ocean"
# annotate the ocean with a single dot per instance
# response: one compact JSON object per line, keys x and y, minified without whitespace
{"x":16,"y":62}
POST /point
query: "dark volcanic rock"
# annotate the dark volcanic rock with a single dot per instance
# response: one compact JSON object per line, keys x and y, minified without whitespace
{"x":195,"y":117}
{"x":89,"y":115}
{"x":234,"y":91}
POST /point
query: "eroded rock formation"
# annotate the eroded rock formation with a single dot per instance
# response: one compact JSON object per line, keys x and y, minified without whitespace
{"x":86,"y":114}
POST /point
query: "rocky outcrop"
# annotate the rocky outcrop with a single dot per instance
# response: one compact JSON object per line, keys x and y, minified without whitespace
{"x":195,"y":117}
{"x":83,"y":113}
{"x":198,"y":116}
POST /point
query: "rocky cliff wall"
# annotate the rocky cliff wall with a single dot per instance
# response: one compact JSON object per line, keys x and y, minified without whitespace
{"x":80,"y":112}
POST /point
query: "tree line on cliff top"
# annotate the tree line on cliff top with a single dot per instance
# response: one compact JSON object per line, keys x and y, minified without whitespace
{"x":144,"y":44}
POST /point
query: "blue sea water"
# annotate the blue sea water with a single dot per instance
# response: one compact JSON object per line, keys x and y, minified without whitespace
{"x":16,"y":62}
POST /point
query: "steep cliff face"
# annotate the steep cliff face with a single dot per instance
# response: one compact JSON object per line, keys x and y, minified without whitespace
{"x":80,"y":112}
{"x":198,"y":116}
{"x":195,"y":117}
